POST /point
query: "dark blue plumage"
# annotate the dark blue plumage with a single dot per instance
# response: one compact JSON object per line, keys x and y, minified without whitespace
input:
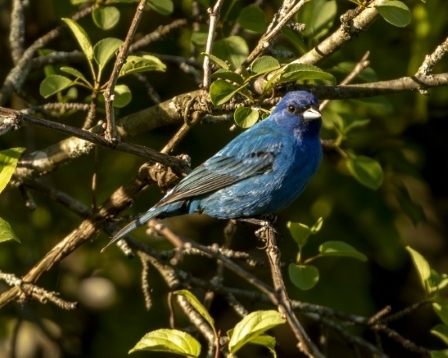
{"x":259,"y":172}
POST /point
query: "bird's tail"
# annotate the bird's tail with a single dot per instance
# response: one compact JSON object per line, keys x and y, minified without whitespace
{"x":151,"y":213}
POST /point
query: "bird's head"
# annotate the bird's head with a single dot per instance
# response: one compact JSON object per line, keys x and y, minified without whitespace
{"x":299,"y":110}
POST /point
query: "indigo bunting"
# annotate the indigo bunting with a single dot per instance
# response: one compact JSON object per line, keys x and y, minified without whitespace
{"x":259,"y":172}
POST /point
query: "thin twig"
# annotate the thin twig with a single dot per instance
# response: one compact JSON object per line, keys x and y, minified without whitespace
{"x":18,"y":74}
{"x":266,"y":40}
{"x":214,"y":17}
{"x":360,"y":66}
{"x":151,"y":154}
{"x":111,"y":130}
{"x":17,"y":32}
{"x":433,"y":59}
{"x":284,"y":305}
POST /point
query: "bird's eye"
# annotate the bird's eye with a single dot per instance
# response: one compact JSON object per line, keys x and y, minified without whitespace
{"x":291,"y":108}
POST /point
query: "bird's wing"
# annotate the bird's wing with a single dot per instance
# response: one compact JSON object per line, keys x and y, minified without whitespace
{"x":232,"y":164}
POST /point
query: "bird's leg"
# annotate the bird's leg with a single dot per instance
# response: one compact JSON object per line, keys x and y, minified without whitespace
{"x":265,"y":222}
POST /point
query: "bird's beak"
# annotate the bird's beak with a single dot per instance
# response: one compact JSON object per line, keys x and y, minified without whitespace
{"x":311,"y":114}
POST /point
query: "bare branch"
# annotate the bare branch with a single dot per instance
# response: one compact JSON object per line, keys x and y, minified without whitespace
{"x":111,"y":130}
{"x":214,"y":17}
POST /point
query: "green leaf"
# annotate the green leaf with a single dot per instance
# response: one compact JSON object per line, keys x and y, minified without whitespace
{"x":169,"y":340}
{"x":245,"y":117}
{"x":365,"y":170}
{"x":395,"y":13}
{"x":252,"y":18}
{"x":264,"y":64}
{"x":106,"y":17}
{"x":81,"y":37}
{"x":295,"y":39}
{"x":228,"y":75}
{"x":304,"y":277}
{"x":6,"y":233}
{"x":318,"y":16}
{"x":105,"y":49}
{"x":77,"y":2}
{"x":164,"y":7}
{"x":422,"y":266}
{"x":317,"y":226}
{"x":143,"y":63}
{"x":356,"y":124}
{"x":266,"y":341}
{"x":252,"y":326}
{"x":8,"y":163}
{"x":74,"y":72}
{"x":217,"y":60}
{"x":300,"y":72}
{"x":233,"y":49}
{"x":123,"y":96}
{"x":439,"y":354}
{"x":222,"y":91}
{"x":198,"y":306}
{"x":53,"y":84}
{"x":437,"y":281}
{"x":199,"y":39}
{"x":441,"y":331}
{"x":299,"y":232}
{"x":413,"y":210}
{"x":339,"y":248}
{"x":442,"y":311}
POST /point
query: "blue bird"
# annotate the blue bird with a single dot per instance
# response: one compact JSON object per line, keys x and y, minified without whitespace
{"x":259,"y":172}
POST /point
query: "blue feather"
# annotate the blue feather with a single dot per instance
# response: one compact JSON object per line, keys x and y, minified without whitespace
{"x":259,"y":172}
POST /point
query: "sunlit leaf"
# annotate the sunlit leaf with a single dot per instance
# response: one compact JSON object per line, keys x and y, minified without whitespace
{"x":53,"y":84}
{"x":106,"y":17}
{"x":105,"y":49}
{"x":198,"y":306}
{"x":170,"y":341}
{"x":252,"y":18}
{"x":222,"y":91}
{"x":441,"y":331}
{"x":143,"y":63}
{"x":245,"y":117}
{"x":422,"y":266}
{"x":164,"y":7}
{"x":304,"y":277}
{"x":439,"y":354}
{"x":217,"y":60}
{"x":317,"y":226}
{"x":6,"y":233}
{"x":8,"y":163}
{"x":123,"y":96}
{"x":74,"y":72}
{"x":299,"y":232}
{"x":395,"y":13}
{"x":81,"y":37}
{"x":233,"y":49}
{"x":318,"y":16}
{"x":300,"y":72}
{"x":228,"y":75}
{"x":437,"y":281}
{"x":252,"y":326}
{"x":442,"y":311}
{"x":339,"y":248}
{"x":266,"y":341}
{"x":264,"y":64}
{"x":365,"y":170}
